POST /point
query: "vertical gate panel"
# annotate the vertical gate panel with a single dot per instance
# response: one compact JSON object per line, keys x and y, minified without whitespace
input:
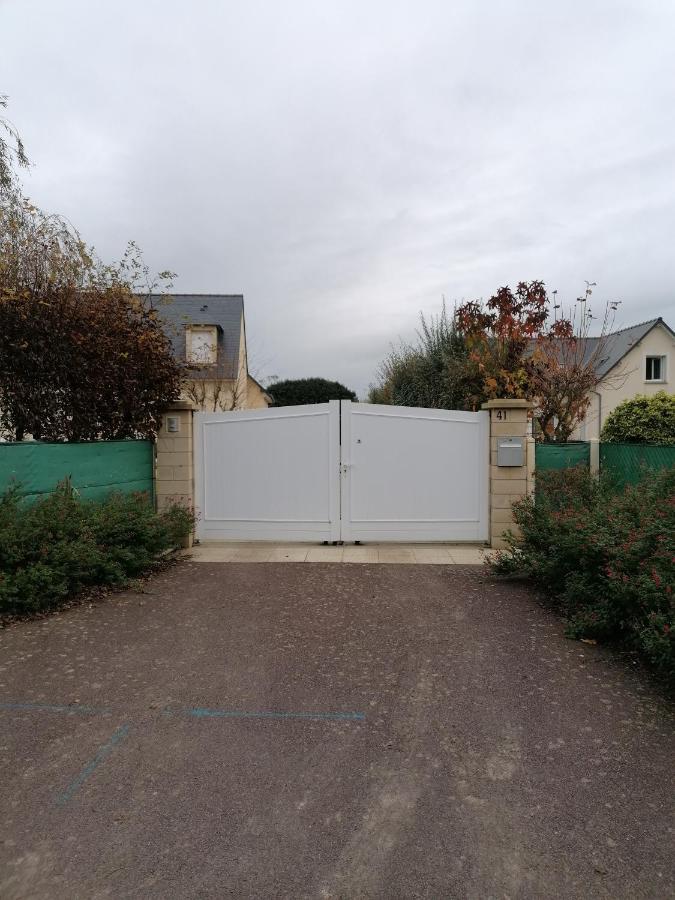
{"x":412,"y":474}
{"x":269,"y":474}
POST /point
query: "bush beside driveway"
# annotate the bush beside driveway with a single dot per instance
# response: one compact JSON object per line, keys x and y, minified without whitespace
{"x":604,"y":554}
{"x":55,"y":547}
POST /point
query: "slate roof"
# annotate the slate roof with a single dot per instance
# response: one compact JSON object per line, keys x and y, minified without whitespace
{"x":619,"y":343}
{"x":616,"y":344}
{"x":223,"y":310}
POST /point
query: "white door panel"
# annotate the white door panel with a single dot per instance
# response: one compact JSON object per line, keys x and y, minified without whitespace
{"x":342,"y":471}
{"x":270,"y":474}
{"x":413,"y":474}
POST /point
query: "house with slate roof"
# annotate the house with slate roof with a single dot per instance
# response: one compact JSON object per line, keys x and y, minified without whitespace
{"x":635,"y":360}
{"x":209,"y":331}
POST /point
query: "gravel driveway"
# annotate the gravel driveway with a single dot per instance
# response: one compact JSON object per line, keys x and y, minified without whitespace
{"x":264,"y":730}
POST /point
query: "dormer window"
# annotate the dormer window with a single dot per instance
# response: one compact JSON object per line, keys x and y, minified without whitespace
{"x":655,"y":368}
{"x":202,"y":344}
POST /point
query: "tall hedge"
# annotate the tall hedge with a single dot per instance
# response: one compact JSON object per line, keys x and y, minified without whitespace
{"x":642,"y":420}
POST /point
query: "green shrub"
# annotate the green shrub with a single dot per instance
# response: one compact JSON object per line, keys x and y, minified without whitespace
{"x":55,"y":547}
{"x":605,"y":557}
{"x":297,"y":391}
{"x":434,"y":371}
{"x":642,"y":420}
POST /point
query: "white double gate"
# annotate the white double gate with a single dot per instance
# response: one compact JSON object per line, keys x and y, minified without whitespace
{"x":342,"y":471}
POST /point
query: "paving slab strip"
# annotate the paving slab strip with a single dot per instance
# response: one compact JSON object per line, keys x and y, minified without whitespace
{"x":268,"y":552}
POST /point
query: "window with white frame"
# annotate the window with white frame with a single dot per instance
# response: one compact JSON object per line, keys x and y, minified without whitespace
{"x":202,"y":345}
{"x":655,"y":368}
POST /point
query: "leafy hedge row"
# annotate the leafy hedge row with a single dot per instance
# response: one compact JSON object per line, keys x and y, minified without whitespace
{"x":605,"y":556}
{"x":57,"y":546}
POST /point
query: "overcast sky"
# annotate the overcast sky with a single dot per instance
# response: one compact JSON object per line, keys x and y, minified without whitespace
{"x":347,"y":164}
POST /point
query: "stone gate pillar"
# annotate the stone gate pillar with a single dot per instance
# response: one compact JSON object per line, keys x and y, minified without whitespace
{"x":510,"y":471}
{"x":174,"y":467}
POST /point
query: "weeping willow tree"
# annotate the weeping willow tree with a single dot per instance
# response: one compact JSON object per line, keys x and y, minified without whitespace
{"x":431,"y":372}
{"x":12,"y":152}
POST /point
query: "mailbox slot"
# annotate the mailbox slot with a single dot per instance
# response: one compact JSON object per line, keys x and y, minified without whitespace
{"x":510,"y":451}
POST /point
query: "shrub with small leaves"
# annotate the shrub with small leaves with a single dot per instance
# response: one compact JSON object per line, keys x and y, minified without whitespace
{"x":642,"y":420}
{"x":605,"y":557}
{"x":296,"y":392}
{"x":54,"y":548}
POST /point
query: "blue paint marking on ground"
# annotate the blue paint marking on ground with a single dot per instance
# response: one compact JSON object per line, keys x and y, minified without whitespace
{"x":50,"y":707}
{"x":199,"y":712}
{"x":117,"y":736}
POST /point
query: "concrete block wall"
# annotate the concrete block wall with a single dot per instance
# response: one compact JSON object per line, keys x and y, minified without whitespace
{"x":508,"y":418}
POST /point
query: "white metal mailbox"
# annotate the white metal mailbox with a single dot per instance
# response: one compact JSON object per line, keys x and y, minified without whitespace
{"x":510,"y":451}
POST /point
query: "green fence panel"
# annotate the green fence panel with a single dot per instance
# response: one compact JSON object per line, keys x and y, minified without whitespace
{"x":562,"y":456}
{"x":629,"y":462}
{"x":95,"y":469}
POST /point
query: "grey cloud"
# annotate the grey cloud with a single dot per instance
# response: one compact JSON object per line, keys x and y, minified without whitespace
{"x":344,"y":165}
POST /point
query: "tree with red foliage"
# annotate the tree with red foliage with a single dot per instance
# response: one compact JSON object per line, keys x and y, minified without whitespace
{"x":498,"y":336}
{"x":517,"y":351}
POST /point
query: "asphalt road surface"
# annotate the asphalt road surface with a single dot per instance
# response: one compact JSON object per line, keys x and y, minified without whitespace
{"x":327,"y":731}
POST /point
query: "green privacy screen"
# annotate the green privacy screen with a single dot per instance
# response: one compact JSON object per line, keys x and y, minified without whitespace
{"x":95,"y":469}
{"x":562,"y":456}
{"x":628,"y":462}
